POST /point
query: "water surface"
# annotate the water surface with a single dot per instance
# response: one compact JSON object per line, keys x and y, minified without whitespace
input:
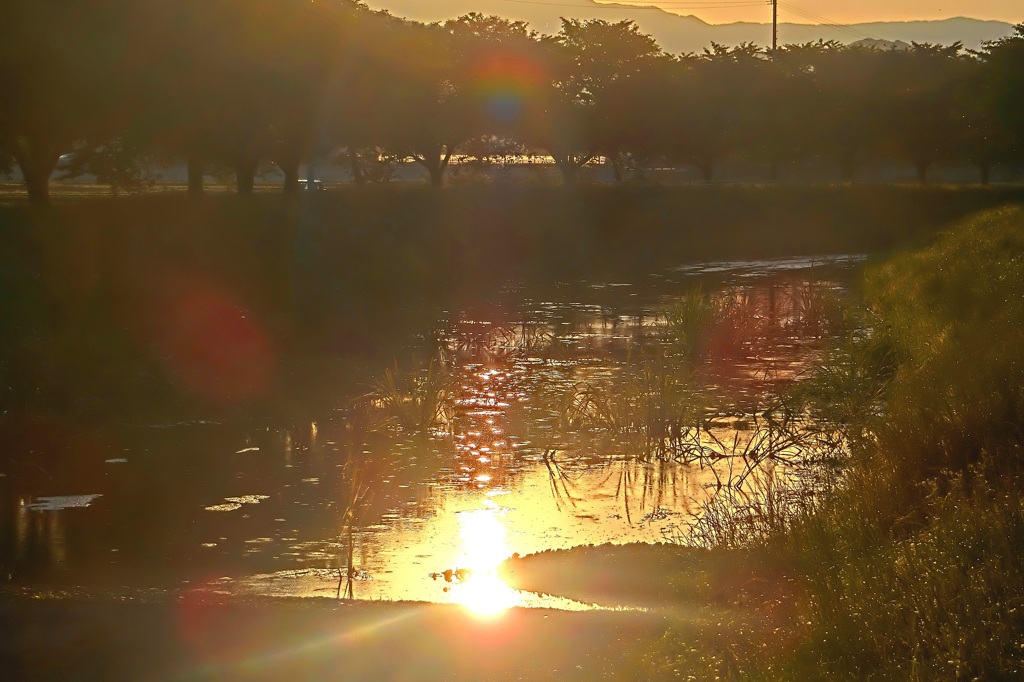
{"x":360,"y":500}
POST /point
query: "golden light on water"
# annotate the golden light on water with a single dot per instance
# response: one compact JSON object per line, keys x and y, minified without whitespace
{"x":484,"y":547}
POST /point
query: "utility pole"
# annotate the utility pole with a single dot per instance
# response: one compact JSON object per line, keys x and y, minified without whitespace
{"x":775,"y":25}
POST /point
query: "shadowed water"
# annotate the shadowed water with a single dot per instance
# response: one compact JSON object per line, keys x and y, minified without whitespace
{"x":508,"y":427}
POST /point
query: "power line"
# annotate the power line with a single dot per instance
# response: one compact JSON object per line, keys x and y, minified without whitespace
{"x":823,"y":21}
{"x":687,"y":4}
{"x":714,"y":4}
{"x":682,"y":4}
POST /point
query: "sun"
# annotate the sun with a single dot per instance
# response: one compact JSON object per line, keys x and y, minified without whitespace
{"x":484,"y":547}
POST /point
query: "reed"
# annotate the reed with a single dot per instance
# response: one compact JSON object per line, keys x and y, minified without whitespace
{"x":910,"y":559}
{"x":418,"y":400}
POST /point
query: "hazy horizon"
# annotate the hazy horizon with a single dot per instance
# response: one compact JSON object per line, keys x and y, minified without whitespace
{"x":731,"y":11}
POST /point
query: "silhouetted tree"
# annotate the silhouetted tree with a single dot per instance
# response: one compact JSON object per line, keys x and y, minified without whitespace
{"x":713,"y":104}
{"x":1003,"y":95}
{"x":983,"y":140}
{"x":66,"y":77}
{"x":116,"y":87}
{"x":578,"y":113}
{"x":920,"y":85}
{"x":416,"y":103}
{"x":844,"y":112}
{"x":790,"y":103}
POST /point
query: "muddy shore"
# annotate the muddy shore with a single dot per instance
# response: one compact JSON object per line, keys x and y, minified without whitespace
{"x":709,"y":597}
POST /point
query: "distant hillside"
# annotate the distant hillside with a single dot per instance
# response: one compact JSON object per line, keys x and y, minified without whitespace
{"x":883,"y":44}
{"x":678,"y":34}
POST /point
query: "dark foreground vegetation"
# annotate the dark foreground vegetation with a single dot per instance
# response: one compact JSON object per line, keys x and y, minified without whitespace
{"x":909,"y":569}
{"x":118,"y":88}
{"x":912,"y":568}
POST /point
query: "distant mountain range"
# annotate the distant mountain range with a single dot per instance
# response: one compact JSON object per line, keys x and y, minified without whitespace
{"x":679,"y":34}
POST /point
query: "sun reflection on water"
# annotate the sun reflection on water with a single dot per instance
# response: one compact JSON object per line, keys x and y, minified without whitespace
{"x":484,"y":547}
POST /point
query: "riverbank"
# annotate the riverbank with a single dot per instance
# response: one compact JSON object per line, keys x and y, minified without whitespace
{"x":911,"y":566}
{"x":710,"y":601}
{"x":206,"y":637}
{"x":519,"y":224}
{"x":318,"y":283}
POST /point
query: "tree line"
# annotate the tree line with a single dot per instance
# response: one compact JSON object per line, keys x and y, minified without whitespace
{"x":114,"y":87}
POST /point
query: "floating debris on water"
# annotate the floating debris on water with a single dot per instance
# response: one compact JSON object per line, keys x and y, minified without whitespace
{"x":231,"y":506}
{"x":247,"y":499}
{"x":196,"y":422}
{"x":59,"y":502}
{"x":659,"y":514}
{"x":449,"y":575}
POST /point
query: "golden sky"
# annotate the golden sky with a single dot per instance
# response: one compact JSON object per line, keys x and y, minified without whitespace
{"x":725,"y":11}
{"x":833,"y":11}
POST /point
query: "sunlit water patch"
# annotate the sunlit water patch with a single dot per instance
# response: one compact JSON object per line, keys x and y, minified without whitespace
{"x":519,"y":429}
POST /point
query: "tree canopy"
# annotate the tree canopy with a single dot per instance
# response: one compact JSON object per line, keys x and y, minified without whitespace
{"x":114,"y":86}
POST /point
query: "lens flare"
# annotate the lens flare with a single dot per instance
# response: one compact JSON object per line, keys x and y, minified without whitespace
{"x":503,"y":82}
{"x":484,"y":547}
{"x":206,"y":340}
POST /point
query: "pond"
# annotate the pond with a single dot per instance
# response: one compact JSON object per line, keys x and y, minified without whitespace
{"x":532,"y":421}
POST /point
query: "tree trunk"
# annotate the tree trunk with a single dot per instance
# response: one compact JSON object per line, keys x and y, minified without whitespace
{"x":436,"y":174}
{"x":291,"y":176}
{"x":435,"y":161}
{"x":922,"y":171}
{"x":617,"y":167}
{"x":195,"y":176}
{"x":36,"y":169}
{"x":37,"y":182}
{"x":245,"y":175}
{"x":985,"y":172}
{"x":848,"y":168}
{"x":569,"y":171}
{"x":358,"y":176}
{"x":707,"y":170}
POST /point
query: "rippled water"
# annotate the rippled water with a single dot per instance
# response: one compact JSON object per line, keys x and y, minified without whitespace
{"x":359,"y":500}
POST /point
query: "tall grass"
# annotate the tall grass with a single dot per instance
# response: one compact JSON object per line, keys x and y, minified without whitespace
{"x":912,"y":564}
{"x":416,"y":400}
{"x":928,"y":535}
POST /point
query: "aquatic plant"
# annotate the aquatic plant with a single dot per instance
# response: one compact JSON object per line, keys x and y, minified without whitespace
{"x":911,"y":559}
{"x":756,"y":507}
{"x":418,"y":400}
{"x":353,"y":490}
{"x":689,"y":320}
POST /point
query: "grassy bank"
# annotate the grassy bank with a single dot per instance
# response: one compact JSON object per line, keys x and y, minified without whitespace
{"x":912,"y":568}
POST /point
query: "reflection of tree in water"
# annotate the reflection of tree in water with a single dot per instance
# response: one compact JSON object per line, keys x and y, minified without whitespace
{"x":36,"y":540}
{"x":699,"y":386}
{"x":674,"y":403}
